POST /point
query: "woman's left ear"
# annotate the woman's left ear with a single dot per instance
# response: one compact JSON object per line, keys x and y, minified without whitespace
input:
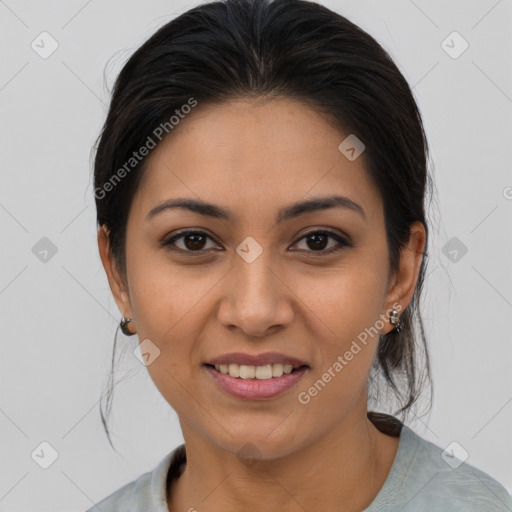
{"x":402,"y":289}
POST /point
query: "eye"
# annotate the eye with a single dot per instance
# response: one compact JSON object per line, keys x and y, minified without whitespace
{"x":192,"y":241}
{"x":317,"y":241}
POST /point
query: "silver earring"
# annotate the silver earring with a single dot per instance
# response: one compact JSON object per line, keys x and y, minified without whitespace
{"x":124,"y":326}
{"x":395,"y":320}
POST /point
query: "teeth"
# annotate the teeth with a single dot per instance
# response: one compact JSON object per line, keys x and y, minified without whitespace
{"x":234,"y":370}
{"x":250,"y":372}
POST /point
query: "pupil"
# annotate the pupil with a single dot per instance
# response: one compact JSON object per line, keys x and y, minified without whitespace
{"x":315,"y":237}
{"x":195,"y":243}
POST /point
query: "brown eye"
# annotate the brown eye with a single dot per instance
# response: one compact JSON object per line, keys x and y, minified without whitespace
{"x":317,"y":241}
{"x":191,"y":241}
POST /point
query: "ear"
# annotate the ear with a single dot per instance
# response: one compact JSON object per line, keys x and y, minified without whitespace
{"x":403,"y":284}
{"x":115,"y":280}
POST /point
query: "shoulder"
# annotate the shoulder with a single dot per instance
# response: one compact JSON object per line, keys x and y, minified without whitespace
{"x":124,"y":499}
{"x":435,"y":479}
{"x":145,"y":494}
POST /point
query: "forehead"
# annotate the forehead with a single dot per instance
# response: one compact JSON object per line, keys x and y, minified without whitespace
{"x":254,"y":155}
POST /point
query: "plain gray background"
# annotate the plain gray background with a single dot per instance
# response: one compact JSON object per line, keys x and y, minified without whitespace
{"x":58,"y":317}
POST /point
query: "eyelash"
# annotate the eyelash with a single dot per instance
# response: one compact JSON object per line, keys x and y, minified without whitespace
{"x":167,"y":244}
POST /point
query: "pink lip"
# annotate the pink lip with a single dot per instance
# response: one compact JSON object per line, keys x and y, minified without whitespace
{"x":256,"y":389}
{"x":256,"y":360}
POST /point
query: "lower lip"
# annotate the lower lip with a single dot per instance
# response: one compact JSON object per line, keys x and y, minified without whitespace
{"x":256,"y":389}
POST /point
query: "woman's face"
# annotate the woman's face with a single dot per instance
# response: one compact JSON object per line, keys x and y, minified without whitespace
{"x":258,"y":281}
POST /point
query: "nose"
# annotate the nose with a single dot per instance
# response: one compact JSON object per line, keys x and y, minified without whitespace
{"x":257,"y":300}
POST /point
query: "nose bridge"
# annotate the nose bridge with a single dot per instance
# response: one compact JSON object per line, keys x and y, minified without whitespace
{"x":254,"y":282}
{"x":257,"y":298}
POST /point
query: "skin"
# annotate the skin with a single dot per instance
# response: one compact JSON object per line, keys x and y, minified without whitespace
{"x":255,"y":157}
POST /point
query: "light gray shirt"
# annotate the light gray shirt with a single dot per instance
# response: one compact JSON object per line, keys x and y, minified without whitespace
{"x":420,"y":480}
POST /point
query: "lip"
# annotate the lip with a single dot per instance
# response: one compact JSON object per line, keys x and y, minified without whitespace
{"x":256,"y":360}
{"x":256,"y":389}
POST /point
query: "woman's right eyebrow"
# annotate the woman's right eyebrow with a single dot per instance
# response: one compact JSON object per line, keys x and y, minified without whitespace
{"x":285,"y":214}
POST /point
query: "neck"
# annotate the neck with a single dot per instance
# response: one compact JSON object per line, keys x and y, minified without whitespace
{"x":348,"y":466}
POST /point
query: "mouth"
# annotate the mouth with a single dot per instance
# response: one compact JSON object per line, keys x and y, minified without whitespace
{"x":255,"y":382}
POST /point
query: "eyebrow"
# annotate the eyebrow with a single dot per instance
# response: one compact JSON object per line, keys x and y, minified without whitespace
{"x":287,"y":213}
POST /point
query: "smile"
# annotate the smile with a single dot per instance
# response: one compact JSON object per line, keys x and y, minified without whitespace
{"x":256,"y":382}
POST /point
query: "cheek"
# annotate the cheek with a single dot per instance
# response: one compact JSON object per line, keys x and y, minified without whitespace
{"x":346,"y":351}
{"x":165,"y":297}
{"x":169,"y":308}
{"x":346,"y":323}
{"x":348,"y":299}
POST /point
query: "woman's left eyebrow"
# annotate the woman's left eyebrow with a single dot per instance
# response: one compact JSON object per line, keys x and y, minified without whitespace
{"x":289,"y":212}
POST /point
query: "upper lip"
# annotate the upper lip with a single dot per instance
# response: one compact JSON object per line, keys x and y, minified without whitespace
{"x":256,"y":360}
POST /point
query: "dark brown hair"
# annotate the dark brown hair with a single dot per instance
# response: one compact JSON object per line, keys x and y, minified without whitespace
{"x":283,"y":48}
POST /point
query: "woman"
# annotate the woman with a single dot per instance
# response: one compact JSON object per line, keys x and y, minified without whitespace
{"x":260,"y":184}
